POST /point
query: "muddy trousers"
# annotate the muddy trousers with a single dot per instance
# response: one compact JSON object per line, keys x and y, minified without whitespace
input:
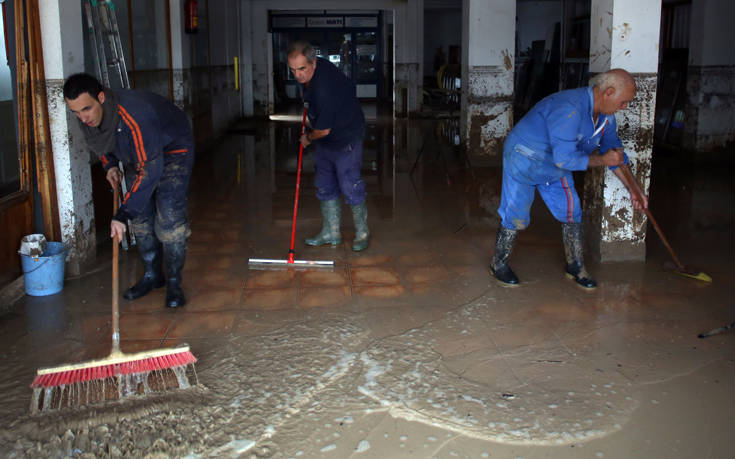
{"x":162,"y":227}
{"x":520,"y":182}
{"x":338,"y":173}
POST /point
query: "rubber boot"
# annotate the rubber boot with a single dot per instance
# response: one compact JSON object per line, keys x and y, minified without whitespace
{"x":573,"y":246}
{"x":150,"y":252}
{"x":362,"y":232}
{"x":174,"y":254}
{"x":331,"y":219}
{"x":504,"y":242}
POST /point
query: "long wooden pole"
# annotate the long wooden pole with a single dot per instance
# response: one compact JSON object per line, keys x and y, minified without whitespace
{"x":46,"y":177}
{"x":636,"y":187}
{"x":115,"y":282}
{"x":24,"y":96}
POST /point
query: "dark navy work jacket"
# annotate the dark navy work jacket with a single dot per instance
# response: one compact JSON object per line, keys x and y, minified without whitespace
{"x":332,"y":104}
{"x":150,"y":127}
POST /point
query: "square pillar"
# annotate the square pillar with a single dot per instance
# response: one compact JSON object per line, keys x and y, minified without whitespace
{"x":63,"y":55}
{"x":624,"y":34}
{"x":488,"y":50}
{"x":409,"y":51}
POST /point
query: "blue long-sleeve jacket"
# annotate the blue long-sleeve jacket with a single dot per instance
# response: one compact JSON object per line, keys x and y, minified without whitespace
{"x":150,"y":126}
{"x":558,"y":134}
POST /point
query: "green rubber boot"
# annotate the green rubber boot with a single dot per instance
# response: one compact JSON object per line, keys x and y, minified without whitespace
{"x":331,"y":218}
{"x":362,"y":232}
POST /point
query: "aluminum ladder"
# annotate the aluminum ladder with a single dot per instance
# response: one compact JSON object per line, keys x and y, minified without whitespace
{"x":104,"y":37}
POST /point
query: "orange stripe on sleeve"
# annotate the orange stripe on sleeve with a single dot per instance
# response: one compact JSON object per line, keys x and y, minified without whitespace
{"x":134,"y":188}
{"x":173,"y":152}
{"x":135,"y":129}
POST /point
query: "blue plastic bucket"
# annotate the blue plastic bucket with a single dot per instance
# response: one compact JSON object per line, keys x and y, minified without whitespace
{"x":45,"y":275}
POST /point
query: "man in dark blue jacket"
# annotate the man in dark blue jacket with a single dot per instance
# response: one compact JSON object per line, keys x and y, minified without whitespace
{"x":337,"y":129}
{"x":571,"y":130}
{"x":153,"y":140}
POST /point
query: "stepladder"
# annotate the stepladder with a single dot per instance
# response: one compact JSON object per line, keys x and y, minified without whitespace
{"x":107,"y":50}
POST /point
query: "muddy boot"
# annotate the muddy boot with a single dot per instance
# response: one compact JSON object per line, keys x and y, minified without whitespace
{"x":572,"y":236}
{"x":504,"y":242}
{"x":150,"y":252}
{"x":331,"y":219}
{"x":362,"y":232}
{"x":174,"y":254}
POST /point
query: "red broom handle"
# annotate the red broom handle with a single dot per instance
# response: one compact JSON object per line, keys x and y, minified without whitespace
{"x":115,"y":282}
{"x":296,"y":194}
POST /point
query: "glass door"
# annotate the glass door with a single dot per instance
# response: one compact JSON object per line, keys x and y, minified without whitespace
{"x":16,"y":192}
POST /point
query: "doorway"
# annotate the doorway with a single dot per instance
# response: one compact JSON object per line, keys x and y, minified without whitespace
{"x":351,"y":42}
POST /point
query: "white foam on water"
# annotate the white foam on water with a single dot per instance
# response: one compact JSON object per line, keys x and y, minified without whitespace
{"x":233,"y":448}
{"x":363,"y":446}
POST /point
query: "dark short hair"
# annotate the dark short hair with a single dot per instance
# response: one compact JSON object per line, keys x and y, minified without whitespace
{"x":80,"y":83}
{"x":304,"y":48}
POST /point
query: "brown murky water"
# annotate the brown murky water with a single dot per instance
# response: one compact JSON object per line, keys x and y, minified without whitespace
{"x":408,"y":349}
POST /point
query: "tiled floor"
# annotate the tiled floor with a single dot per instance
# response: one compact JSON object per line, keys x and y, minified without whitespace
{"x":424,"y":278}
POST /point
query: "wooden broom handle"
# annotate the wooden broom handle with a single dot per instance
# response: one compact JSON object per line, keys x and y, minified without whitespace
{"x":115,"y":281}
{"x":634,"y":187}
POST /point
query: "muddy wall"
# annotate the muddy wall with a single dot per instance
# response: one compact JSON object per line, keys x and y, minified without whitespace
{"x":710,"y":110}
{"x":488,"y":50}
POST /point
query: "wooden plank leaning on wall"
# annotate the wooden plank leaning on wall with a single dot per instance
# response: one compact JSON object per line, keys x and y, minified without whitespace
{"x":45,"y":174}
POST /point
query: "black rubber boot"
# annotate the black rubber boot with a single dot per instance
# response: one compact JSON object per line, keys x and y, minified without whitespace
{"x":362,"y":232}
{"x":504,"y":242}
{"x":573,"y":247}
{"x":174,"y":254}
{"x":150,"y":252}
{"x":331,"y":221}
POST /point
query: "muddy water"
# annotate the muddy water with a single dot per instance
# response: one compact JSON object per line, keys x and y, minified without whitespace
{"x":407,"y":350}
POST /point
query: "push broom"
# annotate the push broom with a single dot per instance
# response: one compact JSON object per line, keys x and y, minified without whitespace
{"x":118,"y":375}
{"x":290,"y":261}
{"x":679,"y":268}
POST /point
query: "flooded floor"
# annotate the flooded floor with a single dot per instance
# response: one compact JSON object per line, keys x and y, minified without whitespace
{"x":409,"y":349}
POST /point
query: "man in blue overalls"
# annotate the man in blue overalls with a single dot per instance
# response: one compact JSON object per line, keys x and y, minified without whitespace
{"x":337,"y":129}
{"x":154,"y":141}
{"x":568,"y":131}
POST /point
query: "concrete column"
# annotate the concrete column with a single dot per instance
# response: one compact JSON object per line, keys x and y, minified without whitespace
{"x":488,"y":50}
{"x":63,"y":55}
{"x":246,"y":58}
{"x":177,"y":53}
{"x":710,"y":107}
{"x":624,"y":34}
{"x":409,"y":52}
{"x":224,"y":39}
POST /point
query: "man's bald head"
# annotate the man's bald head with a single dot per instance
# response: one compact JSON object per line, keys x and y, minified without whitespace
{"x":613,"y":90}
{"x":614,"y":78}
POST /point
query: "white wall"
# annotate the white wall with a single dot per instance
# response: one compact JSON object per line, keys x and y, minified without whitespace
{"x":627,"y":35}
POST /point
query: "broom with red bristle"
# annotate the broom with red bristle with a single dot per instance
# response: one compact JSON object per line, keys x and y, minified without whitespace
{"x":115,"y":376}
